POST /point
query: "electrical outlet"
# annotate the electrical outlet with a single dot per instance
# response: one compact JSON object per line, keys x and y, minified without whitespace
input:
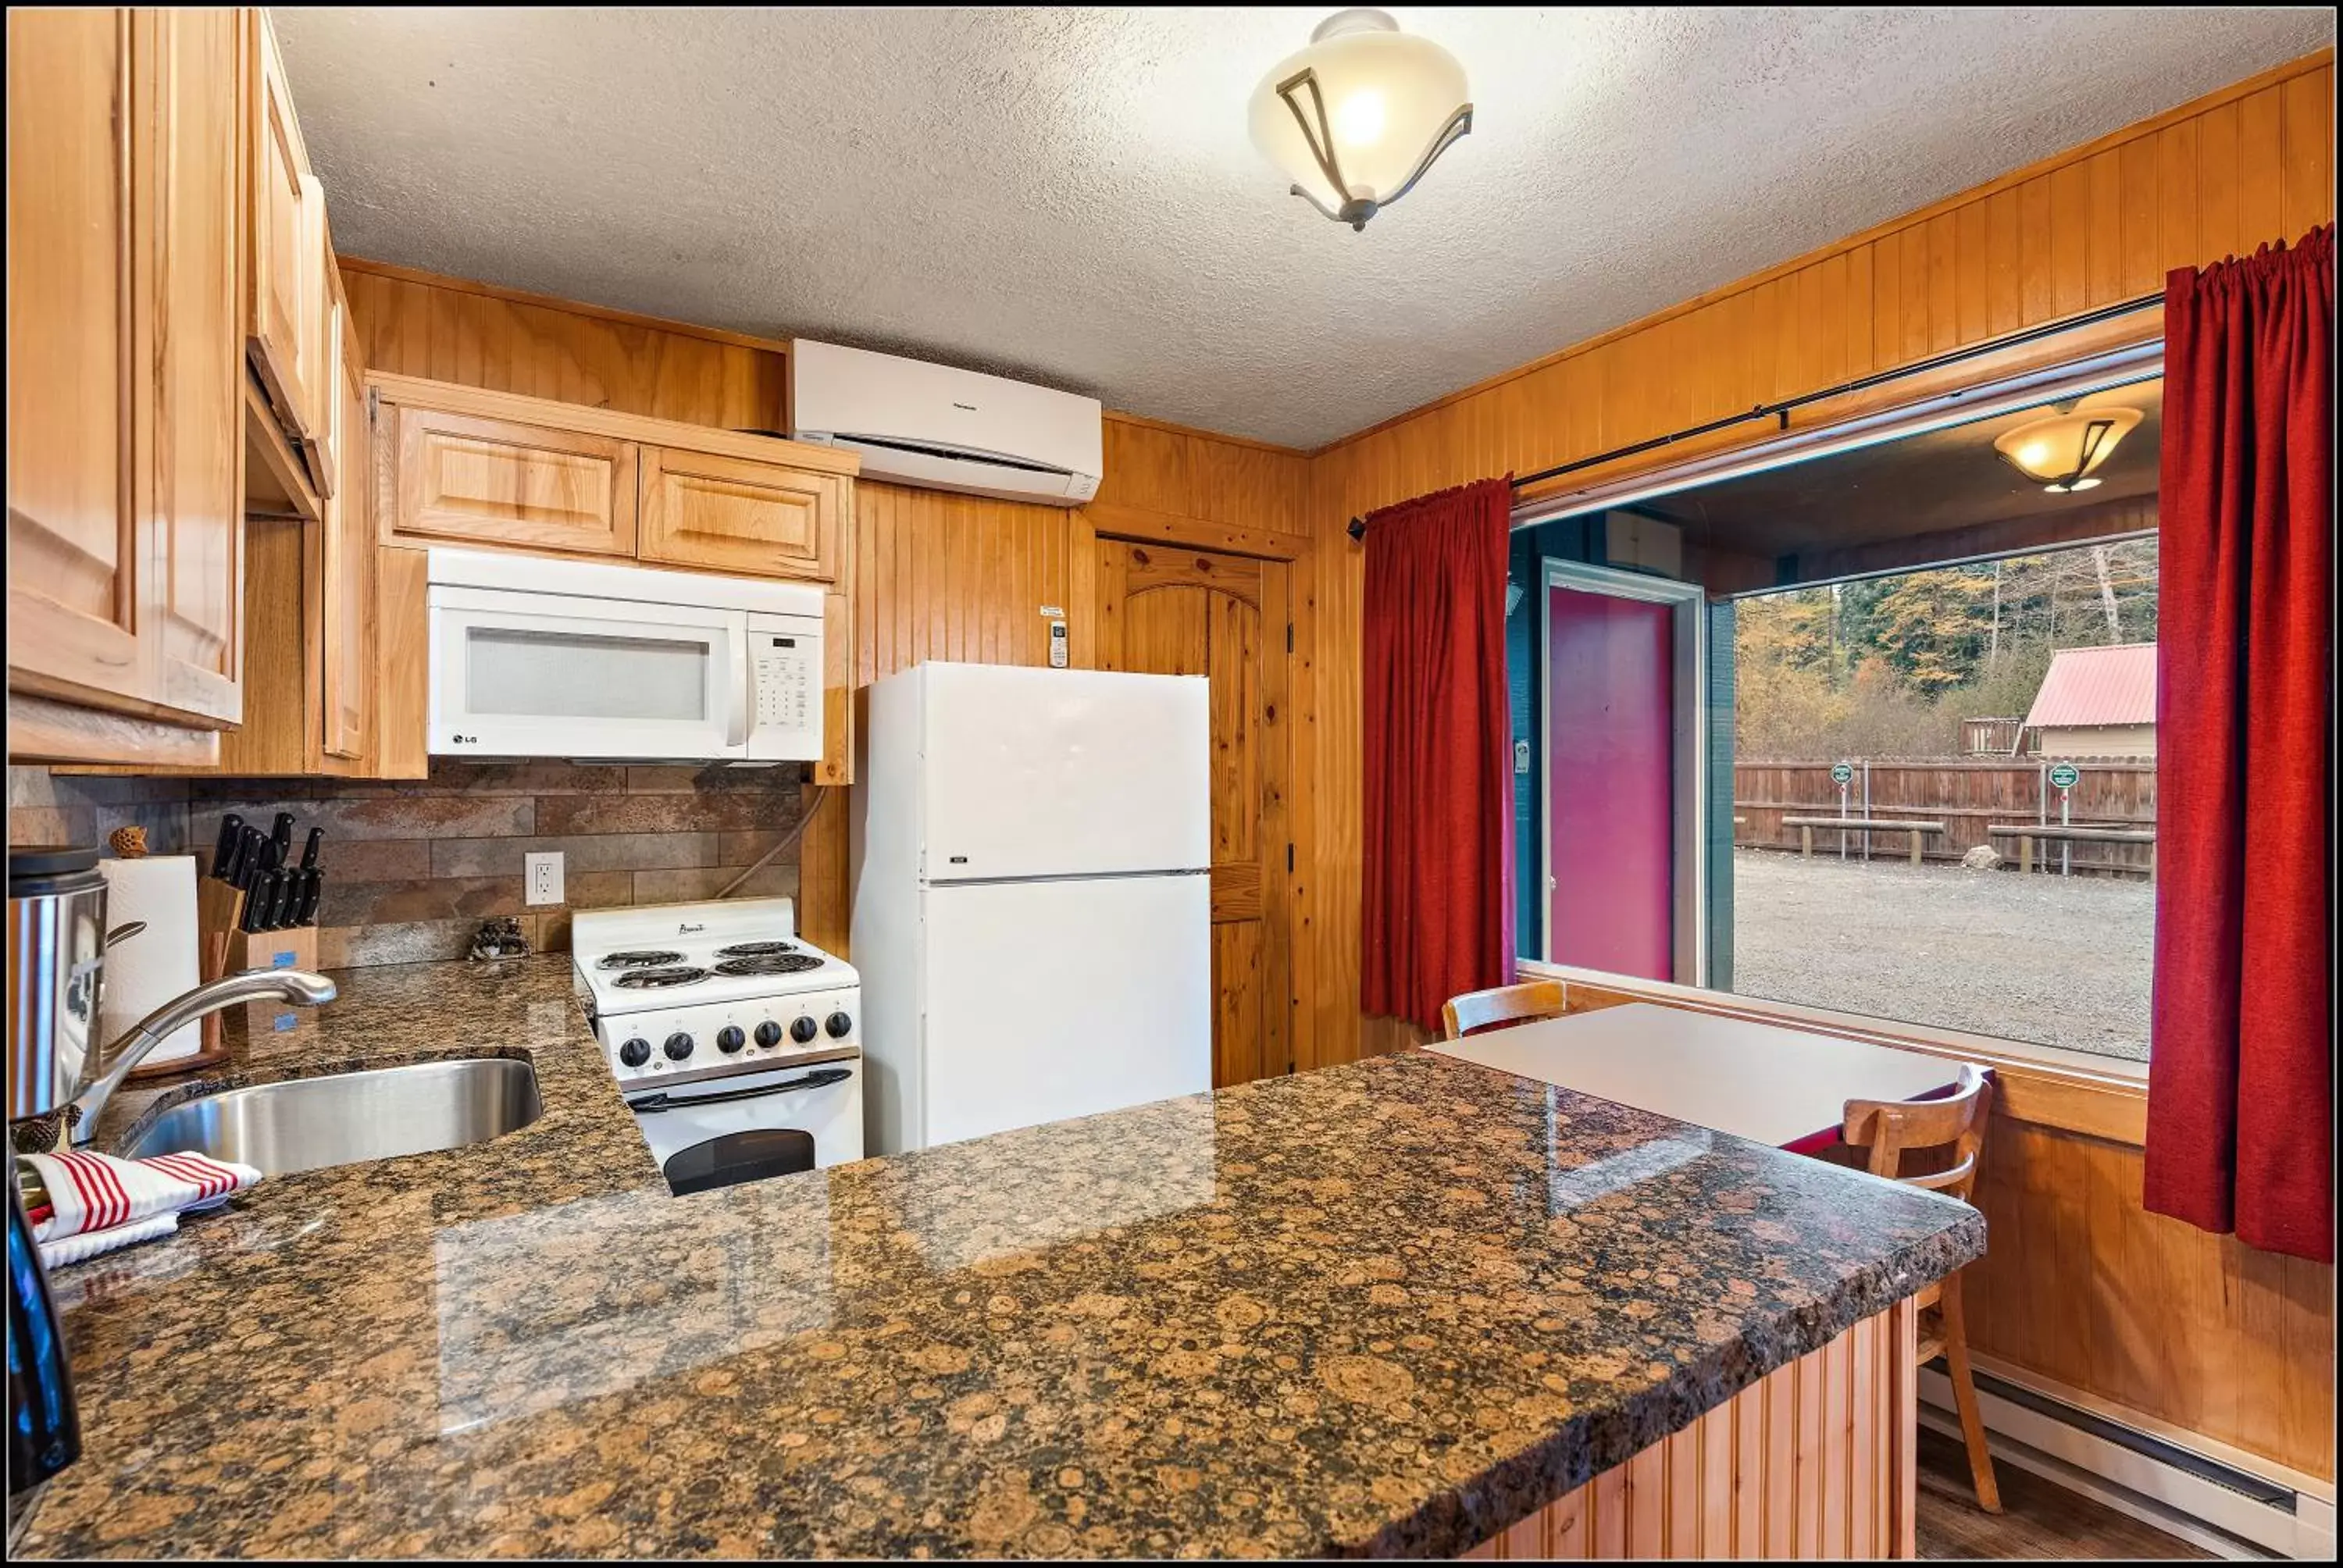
{"x":541,"y":876}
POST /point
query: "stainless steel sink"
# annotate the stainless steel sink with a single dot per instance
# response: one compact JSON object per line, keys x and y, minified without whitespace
{"x":305,"y":1123}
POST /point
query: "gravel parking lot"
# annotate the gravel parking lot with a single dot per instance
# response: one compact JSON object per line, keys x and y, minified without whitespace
{"x":2053,"y":959}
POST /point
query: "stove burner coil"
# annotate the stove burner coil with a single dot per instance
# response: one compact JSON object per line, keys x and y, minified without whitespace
{"x":639,"y":958}
{"x":778,"y":964}
{"x":756,"y":950}
{"x":660,"y":978}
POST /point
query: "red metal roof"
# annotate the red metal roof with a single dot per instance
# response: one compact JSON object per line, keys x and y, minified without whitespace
{"x":2097,"y":685}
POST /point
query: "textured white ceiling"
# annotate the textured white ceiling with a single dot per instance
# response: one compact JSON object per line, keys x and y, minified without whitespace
{"x":1069,"y":196}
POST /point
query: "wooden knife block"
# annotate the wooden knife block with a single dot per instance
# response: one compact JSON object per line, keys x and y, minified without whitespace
{"x":226,"y":950}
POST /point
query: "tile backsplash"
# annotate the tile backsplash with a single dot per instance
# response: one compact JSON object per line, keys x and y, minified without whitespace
{"x":413,"y":866}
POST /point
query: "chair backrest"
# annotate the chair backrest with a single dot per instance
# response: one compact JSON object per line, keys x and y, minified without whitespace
{"x":1891,"y":1128}
{"x":1460,"y":1015}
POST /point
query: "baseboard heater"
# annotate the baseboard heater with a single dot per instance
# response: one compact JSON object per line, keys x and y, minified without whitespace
{"x":2201,"y":1499}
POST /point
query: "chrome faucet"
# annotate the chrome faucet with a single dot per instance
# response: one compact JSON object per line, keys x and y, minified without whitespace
{"x":298,"y":986}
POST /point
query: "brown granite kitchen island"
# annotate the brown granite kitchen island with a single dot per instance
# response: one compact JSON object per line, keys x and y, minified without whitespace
{"x":1409,"y":1307}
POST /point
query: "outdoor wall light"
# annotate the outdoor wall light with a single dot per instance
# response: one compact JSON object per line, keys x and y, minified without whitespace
{"x":1355,"y":118}
{"x":2060,"y":452}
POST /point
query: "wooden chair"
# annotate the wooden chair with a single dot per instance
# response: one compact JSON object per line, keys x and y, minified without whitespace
{"x":1890,"y":1130}
{"x":1460,"y":1015}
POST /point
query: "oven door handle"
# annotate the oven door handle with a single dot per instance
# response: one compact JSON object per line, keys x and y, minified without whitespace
{"x":662,"y":1100}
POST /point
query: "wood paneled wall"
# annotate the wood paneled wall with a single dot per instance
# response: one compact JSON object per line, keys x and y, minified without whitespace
{"x":2246,"y":1335}
{"x":449,"y":329}
{"x":2083,"y":1287}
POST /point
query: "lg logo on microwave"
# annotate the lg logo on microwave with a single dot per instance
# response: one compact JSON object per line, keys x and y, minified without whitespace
{"x":464,"y":739}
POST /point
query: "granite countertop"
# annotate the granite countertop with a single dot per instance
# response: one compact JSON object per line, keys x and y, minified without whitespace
{"x":1385,"y":1308}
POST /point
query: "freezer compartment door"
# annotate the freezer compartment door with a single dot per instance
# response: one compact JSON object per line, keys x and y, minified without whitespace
{"x":1062,"y":772}
{"x":1050,"y":999}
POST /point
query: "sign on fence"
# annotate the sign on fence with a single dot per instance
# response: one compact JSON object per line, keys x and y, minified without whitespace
{"x":1842,"y":773}
{"x":2062,"y":775}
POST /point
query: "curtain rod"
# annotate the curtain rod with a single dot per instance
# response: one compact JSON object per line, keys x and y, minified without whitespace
{"x":1781,"y":410}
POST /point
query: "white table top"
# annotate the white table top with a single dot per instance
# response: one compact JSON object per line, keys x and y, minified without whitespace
{"x":1757,"y":1080}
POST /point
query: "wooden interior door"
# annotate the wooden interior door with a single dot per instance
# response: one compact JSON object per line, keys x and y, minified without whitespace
{"x":1167,"y":610}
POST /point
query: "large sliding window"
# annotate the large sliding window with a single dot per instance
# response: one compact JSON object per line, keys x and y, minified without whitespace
{"x":1871,"y":731}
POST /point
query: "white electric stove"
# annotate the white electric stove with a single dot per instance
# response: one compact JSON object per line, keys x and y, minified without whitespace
{"x":736,"y":1043}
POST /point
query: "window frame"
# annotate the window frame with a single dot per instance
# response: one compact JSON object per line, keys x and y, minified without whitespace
{"x":2069,"y":1087}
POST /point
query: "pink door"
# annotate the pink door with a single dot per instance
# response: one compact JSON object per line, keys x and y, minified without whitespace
{"x":1611,"y":783}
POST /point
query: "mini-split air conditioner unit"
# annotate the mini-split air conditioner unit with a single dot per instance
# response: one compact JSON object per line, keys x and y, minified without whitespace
{"x":946,"y":429}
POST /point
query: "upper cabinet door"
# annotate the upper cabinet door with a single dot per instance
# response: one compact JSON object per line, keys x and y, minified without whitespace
{"x":284,"y":307}
{"x":190,"y":78}
{"x":497,"y":481}
{"x":734,"y":516}
{"x":323,"y":351}
{"x":74,"y":572}
{"x":347,"y":596}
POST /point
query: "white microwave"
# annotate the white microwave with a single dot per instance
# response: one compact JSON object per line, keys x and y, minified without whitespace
{"x":532,"y":657}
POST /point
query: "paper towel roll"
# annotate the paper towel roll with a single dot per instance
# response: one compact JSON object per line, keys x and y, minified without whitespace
{"x":145,"y":971}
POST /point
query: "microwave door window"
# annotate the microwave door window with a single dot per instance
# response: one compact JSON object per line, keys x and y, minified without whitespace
{"x":584,"y":674}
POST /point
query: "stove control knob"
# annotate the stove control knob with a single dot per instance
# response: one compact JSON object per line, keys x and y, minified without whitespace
{"x":729,"y":1038}
{"x":838,"y":1024}
{"x":679,"y":1046}
{"x":803,"y":1029}
{"x":769,"y":1034}
{"x":635,"y":1052}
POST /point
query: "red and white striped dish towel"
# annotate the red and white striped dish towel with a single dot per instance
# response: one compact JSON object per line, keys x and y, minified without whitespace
{"x":98,"y":1202}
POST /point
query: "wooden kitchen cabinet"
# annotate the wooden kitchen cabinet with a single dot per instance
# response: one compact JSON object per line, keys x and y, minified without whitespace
{"x":321,"y":453}
{"x":191,"y":337}
{"x":73,"y":576}
{"x":125,"y":474}
{"x":283,"y":298}
{"x":500,"y":471}
{"x":722,"y":514}
{"x":344,"y":593}
{"x":464,"y":478}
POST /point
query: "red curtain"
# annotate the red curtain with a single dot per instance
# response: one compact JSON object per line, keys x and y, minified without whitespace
{"x":2240,"y":1109}
{"x":1438,"y":915}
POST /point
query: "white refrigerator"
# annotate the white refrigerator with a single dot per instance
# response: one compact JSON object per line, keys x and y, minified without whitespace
{"x":1033,"y":898}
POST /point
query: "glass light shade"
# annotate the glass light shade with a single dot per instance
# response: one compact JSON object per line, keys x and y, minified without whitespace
{"x":2062,"y":451}
{"x":1355,"y":118}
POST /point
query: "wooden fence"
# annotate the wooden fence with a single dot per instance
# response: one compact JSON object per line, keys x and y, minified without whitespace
{"x":1965,"y":795}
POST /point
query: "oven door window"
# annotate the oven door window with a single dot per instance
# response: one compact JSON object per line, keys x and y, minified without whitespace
{"x":738,"y":1157}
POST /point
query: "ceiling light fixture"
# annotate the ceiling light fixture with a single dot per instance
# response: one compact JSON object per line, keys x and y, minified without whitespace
{"x":2059,"y":453}
{"x":1355,"y":118}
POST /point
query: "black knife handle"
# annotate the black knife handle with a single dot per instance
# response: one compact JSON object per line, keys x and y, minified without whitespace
{"x":282,"y":830}
{"x":256,"y":904}
{"x":313,"y":889}
{"x":224,"y":853}
{"x":247,"y":858}
{"x":309,"y":850}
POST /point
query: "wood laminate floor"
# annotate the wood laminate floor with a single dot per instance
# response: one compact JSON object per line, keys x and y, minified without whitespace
{"x":2039,"y":1518}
